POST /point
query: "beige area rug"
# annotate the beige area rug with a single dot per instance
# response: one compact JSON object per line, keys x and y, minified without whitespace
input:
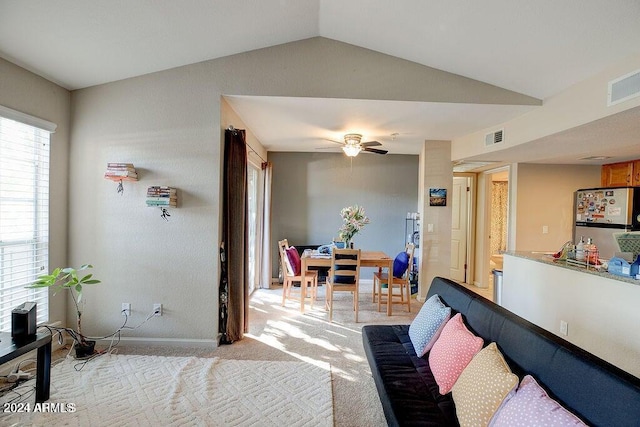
{"x":137,"y":390}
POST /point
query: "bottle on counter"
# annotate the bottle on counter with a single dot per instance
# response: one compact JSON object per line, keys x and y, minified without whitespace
{"x":580,"y":255}
{"x":591,"y":252}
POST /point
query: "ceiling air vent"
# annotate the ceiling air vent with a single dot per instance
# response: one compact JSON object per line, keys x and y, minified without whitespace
{"x":624,"y":88}
{"x":493,"y":137}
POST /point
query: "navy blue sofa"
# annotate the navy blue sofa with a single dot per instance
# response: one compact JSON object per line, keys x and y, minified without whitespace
{"x":593,"y":389}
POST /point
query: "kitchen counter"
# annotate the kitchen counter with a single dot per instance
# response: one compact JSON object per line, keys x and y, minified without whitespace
{"x":595,"y":310}
{"x":546,"y":257}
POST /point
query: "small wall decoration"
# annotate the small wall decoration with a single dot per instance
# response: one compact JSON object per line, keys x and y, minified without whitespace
{"x":162,"y":197}
{"x":437,"y":197}
{"x":121,"y":172}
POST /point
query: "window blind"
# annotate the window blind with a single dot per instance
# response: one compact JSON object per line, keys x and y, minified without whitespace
{"x":24,"y":214}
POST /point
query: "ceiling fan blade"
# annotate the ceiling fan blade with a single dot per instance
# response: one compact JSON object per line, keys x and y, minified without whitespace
{"x":375,"y":150}
{"x":335,"y":142}
{"x":370,"y":144}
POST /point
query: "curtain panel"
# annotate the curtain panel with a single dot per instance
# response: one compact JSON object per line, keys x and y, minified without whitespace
{"x":265,"y":281}
{"x":499,"y":206}
{"x":234,"y":289}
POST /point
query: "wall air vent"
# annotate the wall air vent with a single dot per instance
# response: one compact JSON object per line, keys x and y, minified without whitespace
{"x":624,"y":88}
{"x":494,"y":137}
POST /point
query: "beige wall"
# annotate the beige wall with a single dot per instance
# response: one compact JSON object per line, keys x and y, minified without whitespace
{"x":23,"y":91}
{"x":539,"y":195}
{"x":578,"y":105}
{"x":602,"y":314}
{"x":436,"y":171}
{"x":228,"y":117}
{"x":169,"y":125}
{"x":545,"y":198}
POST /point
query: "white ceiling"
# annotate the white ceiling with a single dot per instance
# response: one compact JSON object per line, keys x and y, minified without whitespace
{"x":537,"y":48}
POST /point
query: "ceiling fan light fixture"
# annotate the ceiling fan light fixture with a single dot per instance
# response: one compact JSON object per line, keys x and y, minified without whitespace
{"x":351,"y":150}
{"x":352,"y":139}
{"x":352,"y":144}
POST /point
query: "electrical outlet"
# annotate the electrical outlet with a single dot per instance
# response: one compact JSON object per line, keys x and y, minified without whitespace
{"x":126,"y":309}
{"x":157,"y":309}
{"x":545,"y":229}
{"x":564,"y":328}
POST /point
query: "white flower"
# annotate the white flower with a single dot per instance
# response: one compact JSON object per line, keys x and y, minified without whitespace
{"x":354,"y":220}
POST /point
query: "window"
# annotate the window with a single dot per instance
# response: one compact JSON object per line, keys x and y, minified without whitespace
{"x":24,"y":212}
{"x":253,"y":223}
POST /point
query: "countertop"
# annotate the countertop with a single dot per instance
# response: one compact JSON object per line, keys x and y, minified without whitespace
{"x":547,"y":258}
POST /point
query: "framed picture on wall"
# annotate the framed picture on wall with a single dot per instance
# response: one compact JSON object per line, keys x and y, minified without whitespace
{"x":437,"y":197}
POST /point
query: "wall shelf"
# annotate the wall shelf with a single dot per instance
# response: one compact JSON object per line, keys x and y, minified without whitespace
{"x":118,"y":172}
{"x":164,"y":197}
{"x":121,"y":172}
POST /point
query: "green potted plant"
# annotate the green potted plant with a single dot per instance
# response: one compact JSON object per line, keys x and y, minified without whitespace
{"x":67,"y":278}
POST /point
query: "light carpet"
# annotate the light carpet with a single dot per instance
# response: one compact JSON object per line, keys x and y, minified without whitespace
{"x":136,"y":390}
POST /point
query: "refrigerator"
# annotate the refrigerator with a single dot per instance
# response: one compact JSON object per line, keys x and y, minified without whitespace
{"x":602,"y":213}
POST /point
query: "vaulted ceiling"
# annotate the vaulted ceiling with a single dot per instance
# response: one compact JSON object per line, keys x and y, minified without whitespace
{"x":536,"y":48}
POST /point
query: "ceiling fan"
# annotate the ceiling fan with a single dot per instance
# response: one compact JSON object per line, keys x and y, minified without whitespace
{"x":353,"y":145}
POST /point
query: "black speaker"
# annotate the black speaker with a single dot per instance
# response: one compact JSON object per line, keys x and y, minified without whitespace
{"x":23,"y":321}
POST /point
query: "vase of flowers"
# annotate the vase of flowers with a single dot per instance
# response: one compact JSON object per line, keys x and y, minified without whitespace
{"x":354,"y":220}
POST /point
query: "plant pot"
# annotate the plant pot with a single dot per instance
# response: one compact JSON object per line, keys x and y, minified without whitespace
{"x":84,"y":349}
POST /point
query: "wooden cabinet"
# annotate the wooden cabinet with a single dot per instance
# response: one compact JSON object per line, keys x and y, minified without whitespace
{"x":635,"y":181}
{"x":620,"y":174}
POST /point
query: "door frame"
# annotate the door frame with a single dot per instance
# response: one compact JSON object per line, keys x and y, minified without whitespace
{"x":484,"y":242}
{"x":471,"y":223}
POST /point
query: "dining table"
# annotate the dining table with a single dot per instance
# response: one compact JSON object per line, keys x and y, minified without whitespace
{"x":312,"y":258}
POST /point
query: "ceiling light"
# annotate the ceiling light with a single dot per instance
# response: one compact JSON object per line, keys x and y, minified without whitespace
{"x":351,"y":150}
{"x":352,"y":145}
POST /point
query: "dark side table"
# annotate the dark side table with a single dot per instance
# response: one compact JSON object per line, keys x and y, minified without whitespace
{"x":10,"y":349}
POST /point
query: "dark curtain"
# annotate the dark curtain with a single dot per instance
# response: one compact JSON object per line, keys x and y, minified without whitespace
{"x":234,"y":290}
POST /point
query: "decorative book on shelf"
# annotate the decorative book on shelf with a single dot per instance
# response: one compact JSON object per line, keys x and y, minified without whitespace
{"x":162,"y":197}
{"x":121,"y":172}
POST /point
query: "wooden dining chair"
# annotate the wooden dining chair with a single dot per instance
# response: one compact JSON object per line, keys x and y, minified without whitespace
{"x":387,"y":294}
{"x":290,"y":277}
{"x":344,"y":275}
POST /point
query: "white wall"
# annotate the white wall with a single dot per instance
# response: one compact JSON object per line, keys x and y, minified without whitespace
{"x":602,"y":314}
{"x":23,"y":91}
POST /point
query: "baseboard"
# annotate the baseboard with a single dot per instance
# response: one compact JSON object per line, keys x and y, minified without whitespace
{"x":167,"y":342}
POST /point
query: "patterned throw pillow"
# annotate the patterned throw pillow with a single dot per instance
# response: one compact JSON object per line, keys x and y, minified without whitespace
{"x":452,"y":352}
{"x":428,"y":324}
{"x":483,"y":387}
{"x":532,"y":406}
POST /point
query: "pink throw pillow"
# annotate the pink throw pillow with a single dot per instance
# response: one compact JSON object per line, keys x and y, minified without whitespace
{"x":294,"y":260}
{"x":532,"y":406}
{"x":452,"y":352}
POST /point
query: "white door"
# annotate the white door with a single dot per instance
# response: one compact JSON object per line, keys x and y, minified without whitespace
{"x":459,"y":228}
